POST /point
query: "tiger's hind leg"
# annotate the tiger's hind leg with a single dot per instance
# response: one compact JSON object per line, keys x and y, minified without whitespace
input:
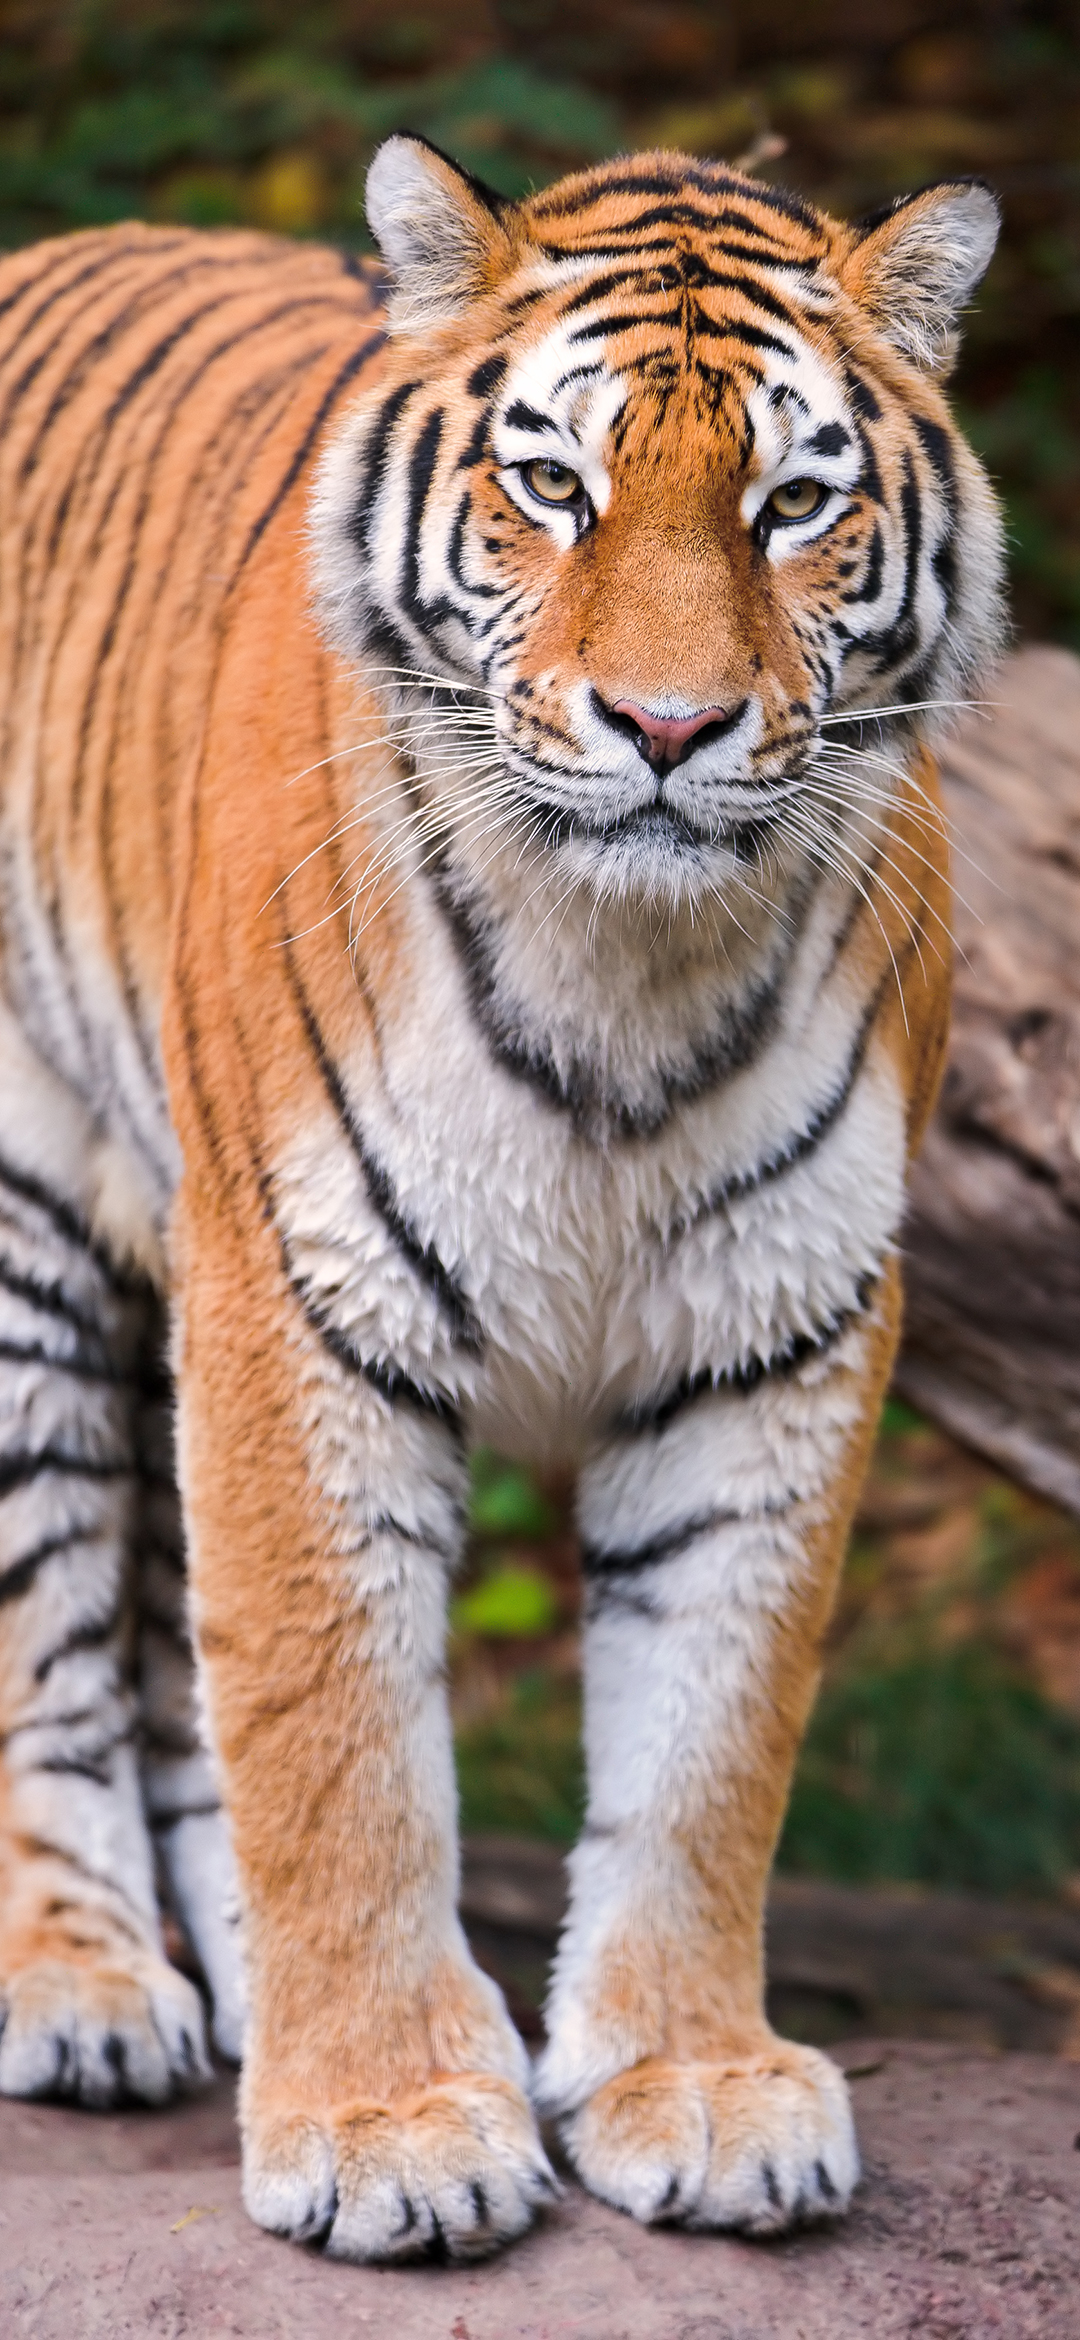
{"x":91,"y":2009}
{"x":187,"y":1823}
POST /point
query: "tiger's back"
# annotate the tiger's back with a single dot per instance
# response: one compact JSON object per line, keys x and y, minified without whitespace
{"x":161,"y":393}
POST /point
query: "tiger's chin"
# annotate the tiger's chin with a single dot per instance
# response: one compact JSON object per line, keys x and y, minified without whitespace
{"x":658,"y":859}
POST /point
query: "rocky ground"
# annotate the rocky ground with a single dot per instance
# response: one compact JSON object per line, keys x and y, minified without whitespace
{"x":966,"y":2227}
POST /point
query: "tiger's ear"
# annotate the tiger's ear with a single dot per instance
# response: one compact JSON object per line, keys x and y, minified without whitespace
{"x":914,"y":266}
{"x":442,"y":233}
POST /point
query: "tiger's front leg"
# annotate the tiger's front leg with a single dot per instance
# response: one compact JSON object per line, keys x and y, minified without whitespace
{"x":383,"y":2094}
{"x":713,"y":1539}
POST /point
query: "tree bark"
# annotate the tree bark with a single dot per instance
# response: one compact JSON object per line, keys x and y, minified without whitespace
{"x":992,"y":1240}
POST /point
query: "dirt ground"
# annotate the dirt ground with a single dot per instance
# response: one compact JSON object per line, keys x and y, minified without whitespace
{"x":966,"y":2227}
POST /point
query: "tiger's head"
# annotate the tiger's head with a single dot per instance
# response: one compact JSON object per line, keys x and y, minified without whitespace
{"x":658,"y":491}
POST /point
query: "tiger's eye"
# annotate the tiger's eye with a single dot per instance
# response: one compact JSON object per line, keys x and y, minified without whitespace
{"x":797,"y":499}
{"x":554,"y":483}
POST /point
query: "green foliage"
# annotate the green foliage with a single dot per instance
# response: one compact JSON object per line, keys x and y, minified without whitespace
{"x":1030,"y":439}
{"x":505,"y":1500}
{"x":177,"y":112}
{"x":512,"y":1603}
{"x":898,"y":1418}
{"x":942,"y":1766}
{"x":521,"y":1769}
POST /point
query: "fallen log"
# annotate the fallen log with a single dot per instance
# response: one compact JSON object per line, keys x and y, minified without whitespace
{"x":992,"y":1240}
{"x":844,"y":1961}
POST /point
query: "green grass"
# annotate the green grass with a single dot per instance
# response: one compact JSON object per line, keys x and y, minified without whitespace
{"x":944,"y":1767}
{"x":522,"y":1769}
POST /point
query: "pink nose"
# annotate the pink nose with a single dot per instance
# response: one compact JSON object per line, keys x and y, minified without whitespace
{"x":667,"y":740}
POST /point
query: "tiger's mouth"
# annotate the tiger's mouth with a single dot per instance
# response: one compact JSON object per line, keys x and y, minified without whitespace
{"x":655,"y":822}
{"x":666,"y":825}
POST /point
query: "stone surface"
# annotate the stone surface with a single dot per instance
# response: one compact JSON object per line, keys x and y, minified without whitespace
{"x":967,"y":2227}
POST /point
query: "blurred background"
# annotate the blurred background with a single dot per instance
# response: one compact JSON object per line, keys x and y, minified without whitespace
{"x":946,"y":1745}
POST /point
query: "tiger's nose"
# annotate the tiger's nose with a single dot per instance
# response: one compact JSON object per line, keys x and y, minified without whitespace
{"x":662,"y":739}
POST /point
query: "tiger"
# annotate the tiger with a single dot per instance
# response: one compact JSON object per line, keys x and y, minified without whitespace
{"x":475,"y":968}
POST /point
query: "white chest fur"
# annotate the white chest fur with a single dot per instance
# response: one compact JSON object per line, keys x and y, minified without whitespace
{"x":549,"y":1283}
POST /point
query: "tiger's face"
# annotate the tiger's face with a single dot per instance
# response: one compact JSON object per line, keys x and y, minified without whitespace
{"x":658,"y":492}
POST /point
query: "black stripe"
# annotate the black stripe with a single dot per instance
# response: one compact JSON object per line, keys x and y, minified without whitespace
{"x":474,"y":588}
{"x":862,"y":397}
{"x":734,"y":329}
{"x":870,"y":589}
{"x":707,"y":179}
{"x":829,"y":439}
{"x":422,"y":462}
{"x":79,"y":1367}
{"x":345,"y":374}
{"x":51,"y":1299}
{"x":24,"y":381}
{"x":869,"y":481}
{"x":19,"y":1470}
{"x":598,"y":328}
{"x":393,"y":1385}
{"x":697,"y":273}
{"x":70,"y":1223}
{"x":486,"y":377}
{"x":362,"y":269}
{"x":62,"y":251}
{"x":148,"y":295}
{"x":374,"y":460}
{"x":67,"y":1221}
{"x":476,"y":446}
{"x":893,"y":644}
{"x":94,"y":1768}
{"x":596,"y":1112}
{"x":780,"y":1365}
{"x":520,"y":417}
{"x":804,"y":1142}
{"x":464,"y":1325}
{"x":18,"y":1578}
{"x":422,"y":1256}
{"x":161,"y":1822}
{"x":600,"y":288}
{"x":109,"y":629}
{"x":937,"y":446}
{"x":388,"y":1381}
{"x":93,"y":1635}
{"x":596,"y":1561}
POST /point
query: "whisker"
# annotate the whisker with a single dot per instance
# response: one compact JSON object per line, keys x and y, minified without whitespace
{"x":872,"y":870}
{"x":883,"y":827}
{"x":417,"y":828}
{"x":905,"y":707}
{"x":423,"y":864}
{"x":426,"y":675}
{"x":465,"y":767}
{"x":933,"y":817}
{"x":813,"y":841}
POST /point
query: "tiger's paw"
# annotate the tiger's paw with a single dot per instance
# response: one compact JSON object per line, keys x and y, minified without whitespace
{"x":100,"y":2033}
{"x":452,"y":2171}
{"x":760,"y":2142}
